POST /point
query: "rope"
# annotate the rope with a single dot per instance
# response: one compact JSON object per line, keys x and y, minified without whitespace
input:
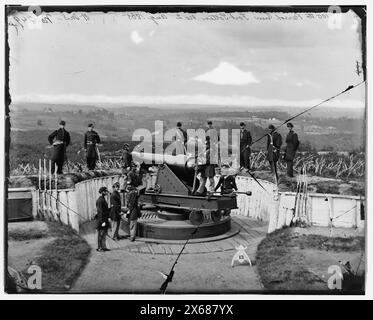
{"x":163,"y":288}
{"x":343,"y":213}
{"x":73,"y":211}
{"x":309,"y":109}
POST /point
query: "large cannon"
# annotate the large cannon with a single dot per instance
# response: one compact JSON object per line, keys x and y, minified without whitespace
{"x":172,"y":190}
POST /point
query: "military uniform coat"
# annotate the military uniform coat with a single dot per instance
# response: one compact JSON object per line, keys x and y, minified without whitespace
{"x":273,"y":149}
{"x":181,"y":135}
{"x":207,"y":169}
{"x":245,"y":139}
{"x":133,"y":179}
{"x":126,"y":158}
{"x":227,"y":184}
{"x":102,"y":213}
{"x":133,"y":205}
{"x":91,"y":138}
{"x":59,"y":149}
{"x":116,"y":206}
{"x":292,"y":144}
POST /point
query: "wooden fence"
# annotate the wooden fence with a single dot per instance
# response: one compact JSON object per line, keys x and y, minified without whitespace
{"x":57,"y":205}
{"x":326,"y":210}
{"x":75,"y":206}
{"x":260,"y":204}
{"x":87,"y":193}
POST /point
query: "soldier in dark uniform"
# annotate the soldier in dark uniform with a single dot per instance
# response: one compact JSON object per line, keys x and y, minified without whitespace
{"x":214,"y":137}
{"x":292,"y":144}
{"x":60,"y":139}
{"x":207,"y":170}
{"x":102,"y":217}
{"x":245,"y":142}
{"x":126,"y":157}
{"x":227,"y":182}
{"x":274,"y":142}
{"x":133,"y":177}
{"x":133,"y":210}
{"x":181,"y":137}
{"x":183,"y":134}
{"x":116,"y":210}
{"x":91,"y":139}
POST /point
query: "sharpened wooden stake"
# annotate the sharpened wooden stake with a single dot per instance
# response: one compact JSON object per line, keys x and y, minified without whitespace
{"x":39,"y":187}
{"x":50,"y":188}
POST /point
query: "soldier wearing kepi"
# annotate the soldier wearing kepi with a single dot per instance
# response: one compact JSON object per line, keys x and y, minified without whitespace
{"x":227,"y":182}
{"x":126,"y":157}
{"x":116,"y":210}
{"x":274,"y":142}
{"x":292,"y":144}
{"x":91,"y":139}
{"x":207,"y":170}
{"x":60,"y":139}
{"x":133,"y":210}
{"x":245,"y":143}
{"x":180,"y":139}
{"x":102,"y":217}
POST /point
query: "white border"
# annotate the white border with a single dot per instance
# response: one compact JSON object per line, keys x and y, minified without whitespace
{"x":369,"y":270}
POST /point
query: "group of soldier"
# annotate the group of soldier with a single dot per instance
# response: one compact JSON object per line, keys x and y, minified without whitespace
{"x":274,"y":143}
{"x":60,"y":139}
{"x":105,"y":217}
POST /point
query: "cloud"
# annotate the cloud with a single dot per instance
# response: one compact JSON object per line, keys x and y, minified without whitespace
{"x":136,"y":38}
{"x":199,"y":99}
{"x":227,"y":74}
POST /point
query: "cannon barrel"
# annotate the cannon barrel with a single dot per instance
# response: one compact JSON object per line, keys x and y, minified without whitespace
{"x":178,"y":162}
{"x":183,"y":166}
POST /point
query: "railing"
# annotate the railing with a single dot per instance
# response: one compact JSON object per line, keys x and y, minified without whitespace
{"x":75,"y":206}
{"x":87,"y":193}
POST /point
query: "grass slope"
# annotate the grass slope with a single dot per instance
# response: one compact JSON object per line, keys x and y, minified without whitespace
{"x":281,"y":259}
{"x":62,"y":260}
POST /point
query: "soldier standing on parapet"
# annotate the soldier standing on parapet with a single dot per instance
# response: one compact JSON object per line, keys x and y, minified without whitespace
{"x":274,"y":142}
{"x":182,"y":138}
{"x":214,"y":138}
{"x":61,"y":140}
{"x":245,"y":143}
{"x":292,"y":144}
{"x":91,"y":139}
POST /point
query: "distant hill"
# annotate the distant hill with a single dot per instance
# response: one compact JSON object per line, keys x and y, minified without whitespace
{"x":321,"y":111}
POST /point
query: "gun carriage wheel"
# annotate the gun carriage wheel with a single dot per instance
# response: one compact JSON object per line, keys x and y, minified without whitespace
{"x":196,"y":217}
{"x":216,"y":215}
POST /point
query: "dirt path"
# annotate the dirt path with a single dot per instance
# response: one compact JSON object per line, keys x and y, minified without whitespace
{"x":204,"y":268}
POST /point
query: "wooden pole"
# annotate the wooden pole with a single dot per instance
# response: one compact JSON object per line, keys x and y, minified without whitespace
{"x":45,"y":184}
{"x":39,"y":187}
{"x":50,"y":188}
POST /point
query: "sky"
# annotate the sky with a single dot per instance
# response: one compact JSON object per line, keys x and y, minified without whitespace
{"x":259,"y":60}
